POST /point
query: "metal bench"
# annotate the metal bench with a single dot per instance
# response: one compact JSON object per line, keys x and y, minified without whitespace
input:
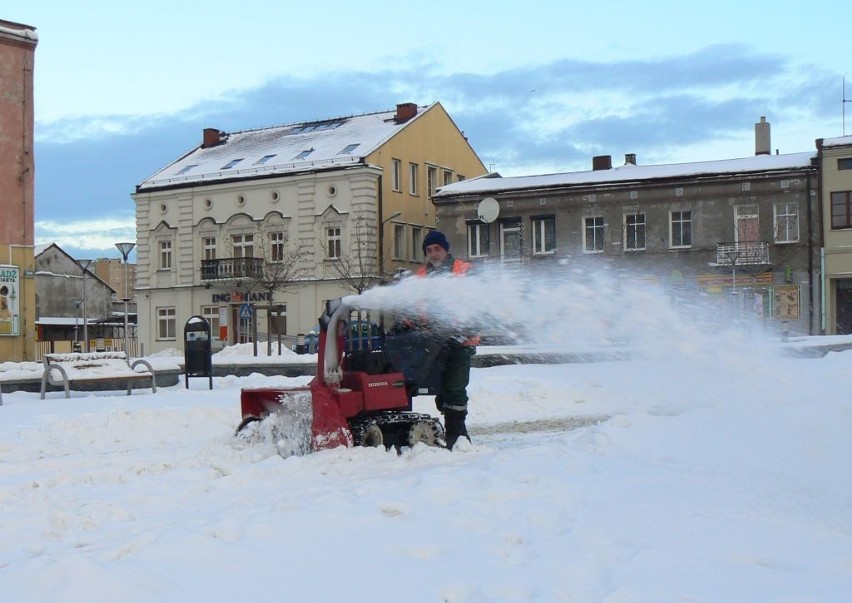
{"x":92,"y":368}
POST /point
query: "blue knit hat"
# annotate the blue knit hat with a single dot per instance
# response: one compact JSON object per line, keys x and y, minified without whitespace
{"x":435,"y":237}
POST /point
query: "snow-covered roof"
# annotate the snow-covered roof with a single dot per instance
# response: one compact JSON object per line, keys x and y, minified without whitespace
{"x":494,"y":183}
{"x":308,"y":146}
{"x":837,"y":142}
{"x":18,"y":30}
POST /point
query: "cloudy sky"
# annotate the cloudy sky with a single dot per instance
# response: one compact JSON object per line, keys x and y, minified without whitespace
{"x":122,"y":89}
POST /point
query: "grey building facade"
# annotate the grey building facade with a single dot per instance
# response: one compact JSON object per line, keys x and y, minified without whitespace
{"x":741,"y":233}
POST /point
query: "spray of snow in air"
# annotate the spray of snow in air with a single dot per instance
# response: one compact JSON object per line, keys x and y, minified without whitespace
{"x":576,"y":310}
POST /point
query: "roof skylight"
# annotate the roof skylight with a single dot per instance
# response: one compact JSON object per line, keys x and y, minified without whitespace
{"x":304,"y":154}
{"x":349,"y":148}
{"x":315,"y":126}
{"x":263,"y":159}
{"x":186,"y":168}
{"x":232,"y":163}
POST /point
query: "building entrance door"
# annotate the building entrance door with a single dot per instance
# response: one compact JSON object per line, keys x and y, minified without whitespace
{"x":242,"y":324}
{"x":843,"y":307}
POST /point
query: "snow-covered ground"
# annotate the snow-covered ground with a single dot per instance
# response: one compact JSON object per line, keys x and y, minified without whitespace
{"x":690,"y":478}
{"x":713,"y":466}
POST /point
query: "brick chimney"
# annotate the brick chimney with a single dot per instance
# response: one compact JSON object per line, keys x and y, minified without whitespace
{"x":211,"y":137}
{"x":630,"y":159}
{"x":601,"y":162}
{"x":762,"y":142}
{"x":405,"y":111}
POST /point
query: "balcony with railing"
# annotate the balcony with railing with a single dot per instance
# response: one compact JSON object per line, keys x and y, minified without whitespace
{"x":229,"y":269}
{"x":742,"y":253}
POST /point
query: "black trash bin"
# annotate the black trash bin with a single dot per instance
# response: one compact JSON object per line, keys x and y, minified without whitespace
{"x":198,"y":357}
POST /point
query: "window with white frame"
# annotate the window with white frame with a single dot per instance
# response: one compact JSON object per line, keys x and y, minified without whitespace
{"x":396,"y":174}
{"x":276,"y":246}
{"x":543,"y":235}
{"x":165,"y":255}
{"x":787,"y":222}
{"x":448,"y":177}
{"x":478,"y":241}
{"x":399,"y":241}
{"x":413,"y":171}
{"x":431,"y":179}
{"x":593,"y":234}
{"x":243,"y":245}
{"x":416,"y":239}
{"x":680,"y":229}
{"x":211,"y":314}
{"x":209,"y":244}
{"x":166,"y":323}
{"x":634,"y":232}
{"x":333,"y":242}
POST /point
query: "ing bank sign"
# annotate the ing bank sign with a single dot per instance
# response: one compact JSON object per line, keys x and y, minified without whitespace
{"x":239,"y":297}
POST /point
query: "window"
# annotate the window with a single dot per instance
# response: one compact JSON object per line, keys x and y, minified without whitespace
{"x":844,"y":163}
{"x":263,"y":159}
{"x":786,"y":222}
{"x":478,"y":242}
{"x":416,"y":240}
{"x":431,"y":179}
{"x":681,"y":229}
{"x":165,"y":255}
{"x":412,"y":178}
{"x":448,"y":177}
{"x":209,"y":244}
{"x":276,"y":246}
{"x":396,"y":174}
{"x":304,"y":154}
{"x":841,"y":209}
{"x":593,"y":235}
{"x":186,"y":168}
{"x":459,"y":178}
{"x":543,"y":235}
{"x":211,"y":313}
{"x":333,"y":246}
{"x":166,"y":323}
{"x":634,"y":232}
{"x":243,"y":245}
{"x":349,"y":148}
{"x":231,"y":163}
{"x":399,"y":241}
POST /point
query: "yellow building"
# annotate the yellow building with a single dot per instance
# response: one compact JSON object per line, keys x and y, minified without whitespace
{"x":332,"y":206}
{"x":17,"y":184}
{"x":835,"y":167}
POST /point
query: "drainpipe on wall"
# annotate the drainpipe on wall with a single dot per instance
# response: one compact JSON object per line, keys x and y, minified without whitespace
{"x":822,"y":291}
{"x":822,"y":288}
{"x":810,"y":256}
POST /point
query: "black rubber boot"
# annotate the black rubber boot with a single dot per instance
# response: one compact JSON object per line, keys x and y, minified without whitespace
{"x":454,"y":426}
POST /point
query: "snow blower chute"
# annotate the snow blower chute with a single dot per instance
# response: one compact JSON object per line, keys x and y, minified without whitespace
{"x":363,"y":389}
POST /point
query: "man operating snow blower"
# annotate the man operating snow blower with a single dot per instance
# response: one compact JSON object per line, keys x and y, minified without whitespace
{"x":452,"y":401}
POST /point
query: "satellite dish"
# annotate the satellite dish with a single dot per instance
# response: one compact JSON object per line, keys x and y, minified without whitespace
{"x":488,"y":210}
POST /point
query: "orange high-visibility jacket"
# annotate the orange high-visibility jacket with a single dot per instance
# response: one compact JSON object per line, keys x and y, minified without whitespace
{"x":458,"y":268}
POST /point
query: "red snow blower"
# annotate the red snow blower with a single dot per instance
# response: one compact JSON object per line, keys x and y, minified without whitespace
{"x":363,"y":389}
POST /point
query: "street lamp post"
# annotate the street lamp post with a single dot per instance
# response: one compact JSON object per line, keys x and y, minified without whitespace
{"x":395,"y":214}
{"x":85,"y":264}
{"x":734,"y":256}
{"x":125,"y":249}
{"x":77,"y":301}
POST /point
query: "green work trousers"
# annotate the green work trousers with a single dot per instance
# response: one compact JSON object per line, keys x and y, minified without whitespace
{"x":455,"y":379}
